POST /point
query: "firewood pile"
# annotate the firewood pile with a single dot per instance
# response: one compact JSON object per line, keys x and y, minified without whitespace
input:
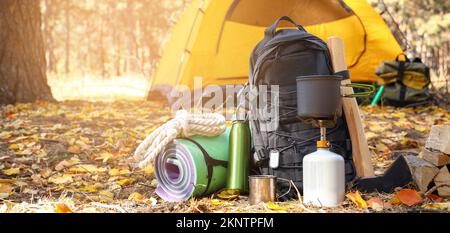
{"x":430,"y":171}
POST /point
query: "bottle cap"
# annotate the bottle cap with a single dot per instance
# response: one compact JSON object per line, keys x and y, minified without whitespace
{"x":323,"y":144}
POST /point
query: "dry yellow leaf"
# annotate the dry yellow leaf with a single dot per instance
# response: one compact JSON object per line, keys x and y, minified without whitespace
{"x":274,"y":206}
{"x":117,"y":172}
{"x":356,"y":198}
{"x":370,"y":135}
{"x":62,"y":179}
{"x":89,"y":188}
{"x":14,"y":147}
{"x":149,"y":170}
{"x":5,"y":135}
{"x":421,"y":128}
{"x":11,"y":171}
{"x":63,"y":164}
{"x":216,"y":202}
{"x":141,"y":198}
{"x":125,"y":181}
{"x":5,"y":188}
{"x":85,"y":139}
{"x":74,"y":149}
{"x":105,"y":156}
{"x":105,"y":196}
{"x":62,"y":208}
{"x":83,"y":168}
{"x":439,"y":206}
{"x":228,"y":194}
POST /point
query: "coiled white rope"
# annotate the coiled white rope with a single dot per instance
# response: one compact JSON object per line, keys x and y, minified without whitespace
{"x":184,"y":124}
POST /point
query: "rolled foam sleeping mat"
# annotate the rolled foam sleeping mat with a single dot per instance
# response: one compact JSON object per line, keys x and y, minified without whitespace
{"x":192,"y":167}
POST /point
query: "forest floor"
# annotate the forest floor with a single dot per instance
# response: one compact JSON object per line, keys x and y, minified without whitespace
{"x":74,"y":156}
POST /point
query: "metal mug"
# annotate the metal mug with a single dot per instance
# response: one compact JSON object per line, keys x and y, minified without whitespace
{"x":262,"y":189}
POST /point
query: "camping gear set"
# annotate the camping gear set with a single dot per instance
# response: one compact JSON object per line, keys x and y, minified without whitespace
{"x":197,"y":165}
{"x":213,"y":38}
{"x":405,"y":82}
{"x":281,"y":57}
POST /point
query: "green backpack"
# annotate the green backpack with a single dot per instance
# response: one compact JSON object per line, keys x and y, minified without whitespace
{"x":406,"y":83}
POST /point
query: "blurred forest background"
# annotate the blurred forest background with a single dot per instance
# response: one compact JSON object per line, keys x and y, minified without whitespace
{"x":113,"y":46}
{"x":106,"y":44}
{"x":103,"y":40}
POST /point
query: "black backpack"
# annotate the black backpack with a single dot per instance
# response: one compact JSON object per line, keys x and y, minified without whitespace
{"x":278,"y":59}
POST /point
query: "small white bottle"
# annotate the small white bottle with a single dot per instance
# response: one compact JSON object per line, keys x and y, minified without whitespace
{"x":323,"y":177}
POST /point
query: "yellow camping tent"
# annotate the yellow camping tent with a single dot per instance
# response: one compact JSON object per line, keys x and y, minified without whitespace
{"x":214,"y":38}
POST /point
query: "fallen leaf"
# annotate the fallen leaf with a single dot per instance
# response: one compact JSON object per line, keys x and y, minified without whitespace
{"x":439,"y":206}
{"x":141,"y":198}
{"x":395,"y":201}
{"x":228,"y":194}
{"x":74,"y":149}
{"x":62,"y":208}
{"x":85,"y":139}
{"x":117,"y":172}
{"x":106,"y":193}
{"x":408,"y":197}
{"x":274,"y":206}
{"x":5,"y":190}
{"x":63,"y":164}
{"x":356,"y":198}
{"x":375,"y":203}
{"x":216,"y":202}
{"x":11,"y":171}
{"x":370,"y":135}
{"x":105,"y":156}
{"x":14,"y":147}
{"x":5,"y":135}
{"x":89,"y":188}
{"x":83,"y":168}
{"x":125,"y":181}
{"x":65,"y":178}
{"x":149,"y":170}
{"x":421,"y":128}
{"x":434,"y":198}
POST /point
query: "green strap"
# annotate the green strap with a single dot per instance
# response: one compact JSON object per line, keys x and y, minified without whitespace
{"x":210,"y":163}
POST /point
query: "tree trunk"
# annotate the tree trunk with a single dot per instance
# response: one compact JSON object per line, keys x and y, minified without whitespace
{"x":22,"y":54}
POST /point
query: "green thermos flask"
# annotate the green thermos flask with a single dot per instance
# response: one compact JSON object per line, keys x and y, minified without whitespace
{"x":239,"y":149}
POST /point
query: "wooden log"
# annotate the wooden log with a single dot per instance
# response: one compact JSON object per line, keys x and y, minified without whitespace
{"x":422,"y":171}
{"x":442,"y":181}
{"x":360,"y":148}
{"x":436,"y":158}
{"x":439,"y":138}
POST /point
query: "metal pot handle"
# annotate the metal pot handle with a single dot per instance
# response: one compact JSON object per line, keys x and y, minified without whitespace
{"x":369,"y":90}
